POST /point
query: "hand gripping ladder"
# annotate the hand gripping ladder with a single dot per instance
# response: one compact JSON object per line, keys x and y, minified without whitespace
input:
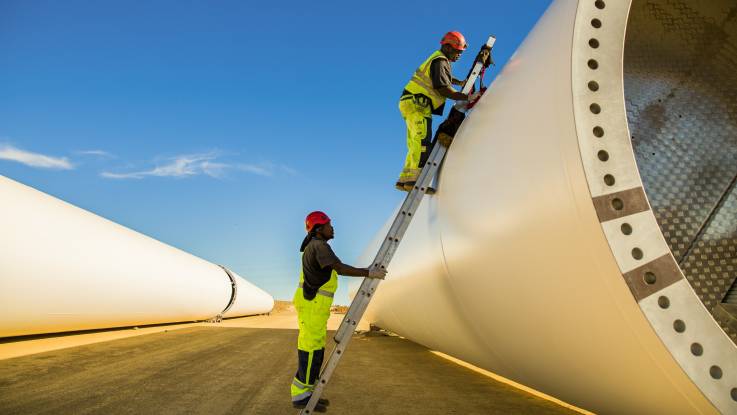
{"x":389,"y":245}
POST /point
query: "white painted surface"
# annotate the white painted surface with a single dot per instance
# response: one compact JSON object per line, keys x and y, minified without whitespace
{"x":507,"y":266}
{"x":63,"y":268}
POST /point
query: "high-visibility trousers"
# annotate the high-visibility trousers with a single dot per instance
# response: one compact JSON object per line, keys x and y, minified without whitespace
{"x":417,"y":113}
{"x":313,"y":325}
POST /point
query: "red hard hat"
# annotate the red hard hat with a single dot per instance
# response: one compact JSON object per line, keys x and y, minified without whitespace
{"x":455,"y":40}
{"x":316,"y":218}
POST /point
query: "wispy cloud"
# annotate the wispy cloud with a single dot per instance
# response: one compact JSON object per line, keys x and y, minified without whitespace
{"x":192,"y":165}
{"x":8,"y":152}
{"x":98,"y":153}
{"x":288,"y":170}
{"x":262,"y":170}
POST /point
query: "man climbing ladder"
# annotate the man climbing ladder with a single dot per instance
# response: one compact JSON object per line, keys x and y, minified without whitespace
{"x":424,"y":96}
{"x":313,"y":298}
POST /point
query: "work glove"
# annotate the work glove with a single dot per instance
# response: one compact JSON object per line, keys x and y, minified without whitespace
{"x":376,"y":272}
{"x":472,"y":98}
{"x":445,"y":139}
{"x":475,"y":97}
{"x":468,"y":103}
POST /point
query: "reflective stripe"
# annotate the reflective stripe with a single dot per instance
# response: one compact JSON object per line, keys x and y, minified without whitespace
{"x":326,"y":293}
{"x":421,"y":82}
{"x":300,"y":385}
{"x":321,"y":292}
{"x":301,"y":396}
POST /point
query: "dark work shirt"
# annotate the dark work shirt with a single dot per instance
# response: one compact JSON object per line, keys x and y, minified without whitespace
{"x":317,"y":266}
{"x":440,"y":73}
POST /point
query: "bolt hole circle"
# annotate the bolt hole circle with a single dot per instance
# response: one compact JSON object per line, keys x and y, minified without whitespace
{"x":626,"y":228}
{"x":715,"y":372}
{"x":593,"y":86}
{"x":603,"y":155}
{"x":679,"y":326}
{"x":696,"y":349}
{"x":617,"y":204}
{"x":609,"y":180}
{"x":595,"y":108}
{"x":650,"y":278}
{"x":596,"y":23}
{"x":593,"y":64}
{"x":663,"y":302}
{"x":637,"y":253}
{"x":599,"y":4}
{"x":594,"y":43}
{"x":598,"y":131}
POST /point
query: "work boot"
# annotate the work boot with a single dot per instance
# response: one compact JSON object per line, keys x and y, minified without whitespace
{"x":399,"y":186}
{"x":444,"y":139}
{"x":322,"y":404}
{"x":408,"y":186}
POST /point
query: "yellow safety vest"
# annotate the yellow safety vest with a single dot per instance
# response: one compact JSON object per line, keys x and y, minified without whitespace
{"x":421,"y":83}
{"x":328,"y":289}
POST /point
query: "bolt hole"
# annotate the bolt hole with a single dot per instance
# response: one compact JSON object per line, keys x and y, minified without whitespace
{"x":598,"y":131}
{"x":603,"y":155}
{"x":715,"y":372}
{"x":595,"y":108}
{"x":594,"y":86}
{"x":617,"y":204}
{"x":734,"y":394}
{"x":637,"y":253}
{"x":609,"y":180}
{"x":599,"y":4}
{"x":626,"y":228}
{"x":593,"y":64}
{"x":697,"y":349}
{"x":663,"y":302}
{"x":594,"y":43}
{"x":596,"y":23}
{"x":650,"y":278}
{"x":679,"y":326}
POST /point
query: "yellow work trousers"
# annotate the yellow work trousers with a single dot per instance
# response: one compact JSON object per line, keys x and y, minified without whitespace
{"x":417,"y":113}
{"x":313,"y":325}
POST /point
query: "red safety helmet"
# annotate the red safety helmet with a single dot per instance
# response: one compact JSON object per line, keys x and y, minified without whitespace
{"x":316,"y":218}
{"x":455,"y":40}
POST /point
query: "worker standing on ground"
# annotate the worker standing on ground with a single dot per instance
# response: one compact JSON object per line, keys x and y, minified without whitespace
{"x":317,"y":285}
{"x":423,"y":96}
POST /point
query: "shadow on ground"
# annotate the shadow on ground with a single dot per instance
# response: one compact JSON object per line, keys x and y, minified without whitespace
{"x":217,"y":370}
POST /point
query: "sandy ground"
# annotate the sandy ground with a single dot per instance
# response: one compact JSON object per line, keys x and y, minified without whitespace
{"x":282,"y":317}
{"x":242,"y":366}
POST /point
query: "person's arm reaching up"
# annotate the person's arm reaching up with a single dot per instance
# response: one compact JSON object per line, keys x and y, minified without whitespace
{"x":349,"y":271}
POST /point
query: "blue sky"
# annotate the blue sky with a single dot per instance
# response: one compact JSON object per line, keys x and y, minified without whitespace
{"x":217,"y":126}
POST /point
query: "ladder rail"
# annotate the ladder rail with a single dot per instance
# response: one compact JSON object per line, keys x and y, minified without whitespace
{"x":388,"y":248}
{"x":369,"y":285}
{"x":390,"y":243}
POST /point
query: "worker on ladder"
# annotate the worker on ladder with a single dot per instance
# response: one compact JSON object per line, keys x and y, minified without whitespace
{"x":423,"y":96}
{"x":317,"y":285}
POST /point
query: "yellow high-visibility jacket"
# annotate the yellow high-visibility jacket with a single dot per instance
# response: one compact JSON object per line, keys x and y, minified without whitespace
{"x":421,"y":83}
